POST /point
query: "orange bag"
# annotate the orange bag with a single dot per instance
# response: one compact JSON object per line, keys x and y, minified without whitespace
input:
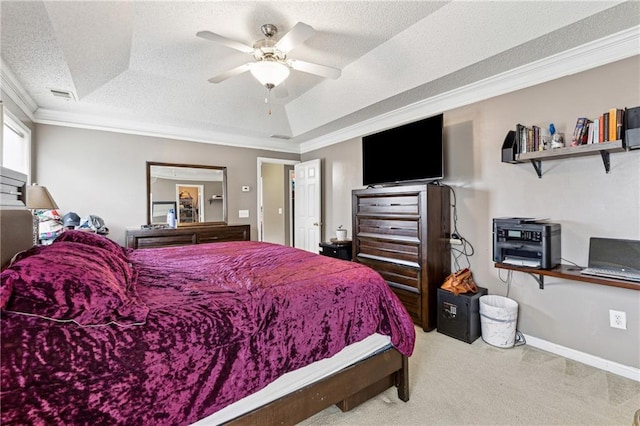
{"x":460,"y":282}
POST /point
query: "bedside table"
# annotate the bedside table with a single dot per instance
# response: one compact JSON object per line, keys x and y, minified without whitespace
{"x":338,"y":249}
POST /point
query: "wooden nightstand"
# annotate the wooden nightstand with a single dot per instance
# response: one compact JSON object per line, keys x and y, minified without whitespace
{"x":338,"y":249}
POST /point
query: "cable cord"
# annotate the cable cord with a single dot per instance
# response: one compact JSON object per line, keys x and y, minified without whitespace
{"x":467,"y":249}
{"x":506,"y":280}
{"x":569,"y":261}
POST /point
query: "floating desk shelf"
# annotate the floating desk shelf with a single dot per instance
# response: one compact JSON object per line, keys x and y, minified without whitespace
{"x":569,"y":272}
{"x":603,"y":149}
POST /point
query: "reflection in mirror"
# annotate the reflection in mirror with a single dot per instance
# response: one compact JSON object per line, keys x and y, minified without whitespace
{"x":196,"y":193}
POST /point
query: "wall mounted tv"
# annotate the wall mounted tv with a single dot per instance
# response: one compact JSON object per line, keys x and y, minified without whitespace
{"x":408,"y":153}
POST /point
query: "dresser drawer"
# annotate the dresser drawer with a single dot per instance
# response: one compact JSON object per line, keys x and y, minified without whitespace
{"x":165,"y":240}
{"x":390,"y":204}
{"x":406,"y":252}
{"x":228,"y":233}
{"x":412,"y":302}
{"x":396,"y":275}
{"x":389,"y":227}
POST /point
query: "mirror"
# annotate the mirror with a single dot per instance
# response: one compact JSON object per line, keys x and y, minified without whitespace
{"x":197,"y":194}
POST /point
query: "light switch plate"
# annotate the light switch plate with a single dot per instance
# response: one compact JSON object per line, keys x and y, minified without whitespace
{"x":245,"y":189}
{"x":243,"y":213}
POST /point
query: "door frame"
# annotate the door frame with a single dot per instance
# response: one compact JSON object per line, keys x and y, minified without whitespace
{"x":199,"y":197}
{"x":259,"y":191}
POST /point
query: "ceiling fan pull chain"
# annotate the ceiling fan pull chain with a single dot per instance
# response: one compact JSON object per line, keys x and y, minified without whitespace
{"x":266,"y":101}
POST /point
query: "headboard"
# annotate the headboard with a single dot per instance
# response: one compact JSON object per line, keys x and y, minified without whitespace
{"x":16,"y":222}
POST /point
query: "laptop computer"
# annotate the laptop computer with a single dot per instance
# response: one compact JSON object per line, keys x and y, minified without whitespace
{"x":614,"y":258}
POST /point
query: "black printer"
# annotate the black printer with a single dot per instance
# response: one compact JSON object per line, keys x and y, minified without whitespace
{"x":526,"y":242}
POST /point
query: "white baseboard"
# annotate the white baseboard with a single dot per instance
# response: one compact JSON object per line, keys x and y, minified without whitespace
{"x":594,"y":361}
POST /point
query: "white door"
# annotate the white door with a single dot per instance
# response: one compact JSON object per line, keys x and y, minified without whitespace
{"x":308,"y":216}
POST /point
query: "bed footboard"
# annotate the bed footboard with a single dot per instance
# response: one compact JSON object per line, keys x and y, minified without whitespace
{"x":346,"y":389}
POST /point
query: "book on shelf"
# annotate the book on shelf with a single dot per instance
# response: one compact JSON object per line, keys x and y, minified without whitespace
{"x":580,"y":132}
{"x":521,"y":138}
{"x":605,"y":127}
{"x":596,"y":130}
{"x":612,"y":124}
{"x":619,"y":123}
{"x":616,"y":116}
{"x":537,"y":145}
{"x":590,"y":128}
{"x":600,"y":129}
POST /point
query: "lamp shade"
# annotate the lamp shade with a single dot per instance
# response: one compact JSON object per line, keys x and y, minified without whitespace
{"x":269,"y":73}
{"x":38,"y":198}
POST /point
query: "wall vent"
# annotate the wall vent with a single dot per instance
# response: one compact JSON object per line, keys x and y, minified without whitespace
{"x":285,"y":137}
{"x":64,"y":94}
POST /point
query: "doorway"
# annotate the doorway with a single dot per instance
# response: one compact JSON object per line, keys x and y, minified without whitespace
{"x":276,"y":195}
{"x":190,"y":201}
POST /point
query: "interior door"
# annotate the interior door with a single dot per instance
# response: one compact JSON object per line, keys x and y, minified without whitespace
{"x":307,"y":206}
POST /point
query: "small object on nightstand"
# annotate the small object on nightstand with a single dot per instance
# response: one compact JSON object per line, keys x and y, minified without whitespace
{"x":340,"y":249}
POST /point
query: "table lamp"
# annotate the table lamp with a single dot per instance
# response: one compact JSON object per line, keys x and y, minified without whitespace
{"x":38,"y":198}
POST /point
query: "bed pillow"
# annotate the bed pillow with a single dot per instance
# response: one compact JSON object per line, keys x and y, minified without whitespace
{"x":72,"y":281}
{"x":93,"y":239}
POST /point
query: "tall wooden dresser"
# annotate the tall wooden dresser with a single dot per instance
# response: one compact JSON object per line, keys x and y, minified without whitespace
{"x":403,"y":233}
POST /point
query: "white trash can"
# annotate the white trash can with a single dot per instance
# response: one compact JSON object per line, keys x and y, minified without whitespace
{"x":498,"y":318}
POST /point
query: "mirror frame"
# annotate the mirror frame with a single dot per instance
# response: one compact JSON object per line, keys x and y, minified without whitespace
{"x":190,"y":166}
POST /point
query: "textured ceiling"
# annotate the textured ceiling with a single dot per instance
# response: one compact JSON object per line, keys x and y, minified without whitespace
{"x":138,"y":66}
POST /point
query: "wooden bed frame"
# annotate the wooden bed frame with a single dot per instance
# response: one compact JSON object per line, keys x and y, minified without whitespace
{"x":347,"y":388}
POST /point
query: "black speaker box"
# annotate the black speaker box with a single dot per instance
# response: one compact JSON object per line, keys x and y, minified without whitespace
{"x":632,"y":126}
{"x":509,"y":148}
{"x":459,"y":316}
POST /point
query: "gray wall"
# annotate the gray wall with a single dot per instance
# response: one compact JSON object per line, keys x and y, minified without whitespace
{"x":103,"y":173}
{"x":577,"y":193}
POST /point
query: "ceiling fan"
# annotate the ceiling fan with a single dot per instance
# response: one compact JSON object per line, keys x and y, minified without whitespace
{"x":271,"y":66}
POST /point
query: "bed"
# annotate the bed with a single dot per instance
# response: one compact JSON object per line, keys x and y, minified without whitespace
{"x":96,"y":333}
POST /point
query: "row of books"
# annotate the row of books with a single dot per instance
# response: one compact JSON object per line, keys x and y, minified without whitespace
{"x":609,"y":126}
{"x":528,"y":139}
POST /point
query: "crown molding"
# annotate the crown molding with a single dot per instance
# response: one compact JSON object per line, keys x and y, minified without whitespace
{"x":67,"y":119}
{"x":591,"y":55}
{"x":609,"y":49}
{"x":14,"y":90}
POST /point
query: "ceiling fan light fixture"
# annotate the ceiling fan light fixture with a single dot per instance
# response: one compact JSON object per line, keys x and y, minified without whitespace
{"x":269,"y":73}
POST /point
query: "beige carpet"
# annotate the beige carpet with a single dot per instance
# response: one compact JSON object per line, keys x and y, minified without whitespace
{"x":456,"y":383}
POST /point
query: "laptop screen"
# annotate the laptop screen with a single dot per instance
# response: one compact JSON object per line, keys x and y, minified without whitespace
{"x":612,"y":253}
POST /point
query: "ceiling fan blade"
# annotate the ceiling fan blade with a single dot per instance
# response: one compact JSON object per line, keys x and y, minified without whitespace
{"x":208,"y":35}
{"x":228,"y":74}
{"x":321,"y":70}
{"x":296,"y":35}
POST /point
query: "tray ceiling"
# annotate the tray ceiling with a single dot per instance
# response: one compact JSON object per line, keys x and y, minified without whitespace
{"x":138,"y":66}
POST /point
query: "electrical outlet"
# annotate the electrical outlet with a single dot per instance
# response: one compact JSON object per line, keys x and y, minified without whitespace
{"x":618,"y":319}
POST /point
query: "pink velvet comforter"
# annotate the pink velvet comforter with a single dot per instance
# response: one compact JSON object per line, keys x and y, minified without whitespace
{"x":195,"y":329}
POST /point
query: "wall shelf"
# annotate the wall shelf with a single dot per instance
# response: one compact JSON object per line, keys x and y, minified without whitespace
{"x":603,"y":149}
{"x":569,"y":272}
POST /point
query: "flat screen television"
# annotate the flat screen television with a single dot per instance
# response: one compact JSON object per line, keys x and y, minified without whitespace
{"x":408,"y":153}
